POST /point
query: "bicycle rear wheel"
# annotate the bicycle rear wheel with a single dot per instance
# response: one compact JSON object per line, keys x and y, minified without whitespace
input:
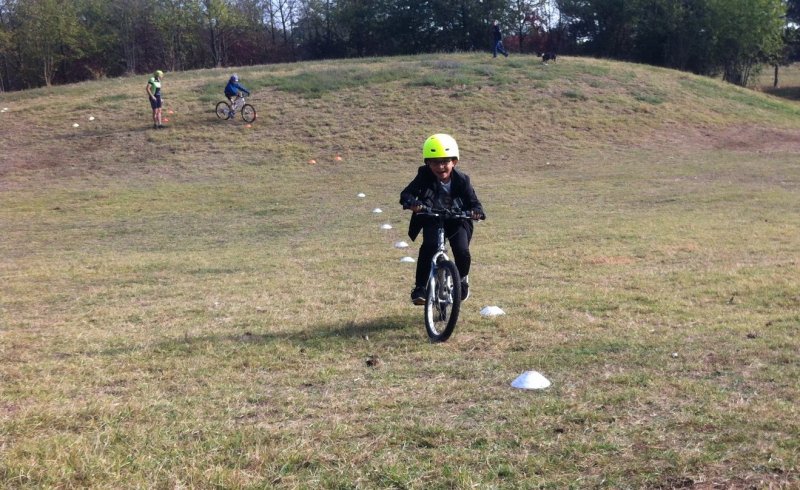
{"x":443,"y":303}
{"x":223,"y":110}
{"x":248,"y":113}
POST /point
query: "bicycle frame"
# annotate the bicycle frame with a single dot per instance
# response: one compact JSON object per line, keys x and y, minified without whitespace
{"x":227,"y":109}
{"x":443,"y":300}
{"x":443,"y":295}
{"x":441,"y":246}
{"x":238,"y":103}
{"x":441,"y":216}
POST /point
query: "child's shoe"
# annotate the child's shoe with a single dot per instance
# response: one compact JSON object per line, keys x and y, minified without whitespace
{"x":464,"y":288}
{"x":418,"y":296}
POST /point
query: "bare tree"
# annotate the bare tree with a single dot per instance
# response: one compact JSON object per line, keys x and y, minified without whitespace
{"x":524,"y":16}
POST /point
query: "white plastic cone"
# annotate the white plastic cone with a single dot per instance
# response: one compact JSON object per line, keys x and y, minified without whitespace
{"x":400,"y":245}
{"x":492,"y":311}
{"x":387,"y":226}
{"x":407,"y":259}
{"x":530,"y":380}
{"x":361,"y":194}
{"x":377,"y":210}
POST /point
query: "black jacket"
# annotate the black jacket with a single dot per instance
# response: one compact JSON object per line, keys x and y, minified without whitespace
{"x":496,"y":34}
{"x":426,"y":189}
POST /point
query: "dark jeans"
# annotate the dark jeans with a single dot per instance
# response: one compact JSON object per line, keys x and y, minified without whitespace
{"x":498,"y":48}
{"x":459,"y":236}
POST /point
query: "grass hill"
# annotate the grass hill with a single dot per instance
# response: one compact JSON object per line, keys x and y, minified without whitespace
{"x":201,"y":306}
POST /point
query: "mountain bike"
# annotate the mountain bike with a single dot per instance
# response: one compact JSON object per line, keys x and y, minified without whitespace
{"x":225,"y":111}
{"x":443,"y":302}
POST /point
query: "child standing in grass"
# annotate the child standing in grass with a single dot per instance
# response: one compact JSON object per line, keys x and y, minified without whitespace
{"x":153,"y":88}
{"x":439,"y":185}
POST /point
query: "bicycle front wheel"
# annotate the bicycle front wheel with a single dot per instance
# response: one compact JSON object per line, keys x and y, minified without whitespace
{"x":443,"y":303}
{"x":248,"y":113}
{"x":223,"y":110}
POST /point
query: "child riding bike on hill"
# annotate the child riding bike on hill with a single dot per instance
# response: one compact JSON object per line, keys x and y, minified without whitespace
{"x":439,"y":185}
{"x":233,"y":89}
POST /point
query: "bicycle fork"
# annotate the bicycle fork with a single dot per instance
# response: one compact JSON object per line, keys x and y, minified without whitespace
{"x":439,"y":255}
{"x":441,"y":292}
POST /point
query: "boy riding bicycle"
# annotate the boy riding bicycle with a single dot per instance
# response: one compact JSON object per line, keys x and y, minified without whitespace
{"x":439,"y":185}
{"x":233,"y":91}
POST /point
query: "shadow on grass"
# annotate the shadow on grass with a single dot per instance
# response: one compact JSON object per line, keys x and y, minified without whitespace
{"x":789,"y":93}
{"x":331,"y":331}
{"x":312,"y":335}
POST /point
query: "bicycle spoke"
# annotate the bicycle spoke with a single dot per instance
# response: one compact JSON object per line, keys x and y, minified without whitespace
{"x":442,"y":305}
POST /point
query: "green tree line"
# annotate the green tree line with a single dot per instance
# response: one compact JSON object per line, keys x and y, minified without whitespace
{"x":732,"y":38}
{"x":45,"y":42}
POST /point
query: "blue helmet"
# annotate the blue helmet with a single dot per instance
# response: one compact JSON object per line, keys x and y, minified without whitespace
{"x":234,"y":78}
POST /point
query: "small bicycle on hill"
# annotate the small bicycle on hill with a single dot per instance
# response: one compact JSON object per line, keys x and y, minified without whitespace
{"x":443,"y":302}
{"x":225,"y":111}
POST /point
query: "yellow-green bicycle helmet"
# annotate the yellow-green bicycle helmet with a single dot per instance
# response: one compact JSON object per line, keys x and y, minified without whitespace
{"x":440,"y":146}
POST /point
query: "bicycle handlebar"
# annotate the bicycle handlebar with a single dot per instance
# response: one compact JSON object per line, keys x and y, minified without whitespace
{"x":448,"y":213}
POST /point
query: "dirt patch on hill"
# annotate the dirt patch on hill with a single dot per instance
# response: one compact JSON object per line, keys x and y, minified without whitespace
{"x":758,"y":139}
{"x":741,"y":138}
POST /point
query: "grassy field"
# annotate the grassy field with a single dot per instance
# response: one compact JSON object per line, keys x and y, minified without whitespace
{"x":203,"y":307}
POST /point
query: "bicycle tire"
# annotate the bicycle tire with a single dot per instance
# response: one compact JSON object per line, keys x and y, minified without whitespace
{"x":248,"y":113}
{"x":223,"y":110}
{"x":443,"y":303}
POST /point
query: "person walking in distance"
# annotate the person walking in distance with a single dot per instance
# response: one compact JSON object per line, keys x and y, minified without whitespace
{"x":497,"y":37}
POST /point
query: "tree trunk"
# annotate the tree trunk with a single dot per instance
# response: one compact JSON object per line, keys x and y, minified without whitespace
{"x":214,"y":49}
{"x":4,"y":74}
{"x":775,"y":80}
{"x":48,"y":70}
